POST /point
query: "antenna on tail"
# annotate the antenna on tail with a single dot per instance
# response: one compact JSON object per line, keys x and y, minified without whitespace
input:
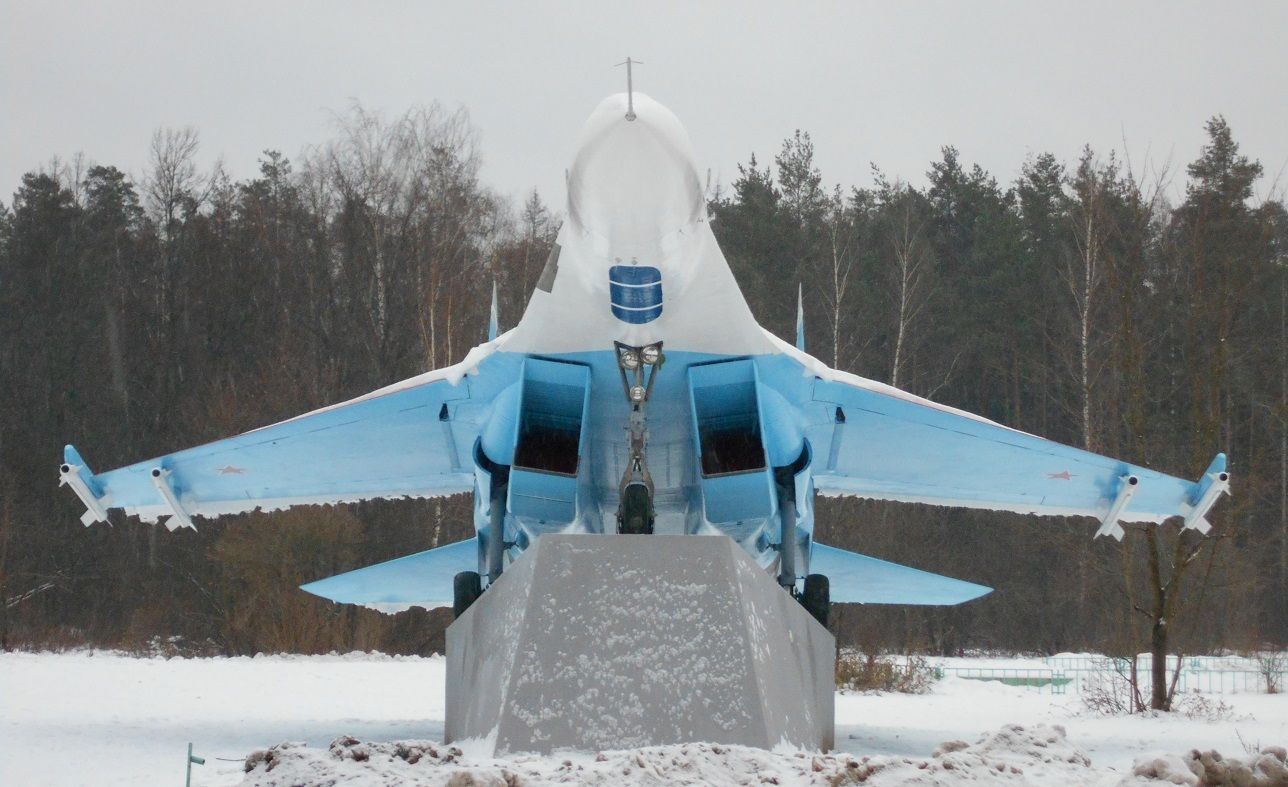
{"x":630,"y":89}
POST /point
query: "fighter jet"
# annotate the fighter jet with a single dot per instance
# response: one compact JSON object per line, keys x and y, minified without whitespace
{"x":638,"y":395}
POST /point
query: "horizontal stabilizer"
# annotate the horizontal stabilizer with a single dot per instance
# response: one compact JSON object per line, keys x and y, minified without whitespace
{"x":420,"y":580}
{"x":865,"y":580}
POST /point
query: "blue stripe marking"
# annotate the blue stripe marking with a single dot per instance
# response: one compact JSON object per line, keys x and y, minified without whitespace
{"x":637,"y":297}
{"x":634,"y":274}
{"x":635,"y":293}
{"x":637,"y":317}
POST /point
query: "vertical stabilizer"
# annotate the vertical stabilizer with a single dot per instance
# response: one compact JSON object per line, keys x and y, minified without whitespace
{"x":800,"y":317}
{"x":493,"y":323}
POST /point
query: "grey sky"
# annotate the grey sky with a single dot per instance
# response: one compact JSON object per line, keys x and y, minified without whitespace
{"x":872,"y":82}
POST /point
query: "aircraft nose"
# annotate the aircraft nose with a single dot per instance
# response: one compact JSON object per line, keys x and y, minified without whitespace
{"x":634,"y":181}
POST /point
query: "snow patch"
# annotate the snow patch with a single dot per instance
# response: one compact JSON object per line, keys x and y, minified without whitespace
{"x":1012,"y":755}
{"x":129,"y":721}
{"x":1266,"y":768}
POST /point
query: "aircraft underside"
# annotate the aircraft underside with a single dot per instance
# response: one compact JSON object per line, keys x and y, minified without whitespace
{"x":638,"y":441}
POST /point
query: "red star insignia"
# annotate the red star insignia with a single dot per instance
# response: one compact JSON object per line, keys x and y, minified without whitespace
{"x":1063,"y":475}
{"x":230,"y":470}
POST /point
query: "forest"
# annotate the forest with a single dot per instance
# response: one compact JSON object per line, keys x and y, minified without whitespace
{"x":1137,"y":310}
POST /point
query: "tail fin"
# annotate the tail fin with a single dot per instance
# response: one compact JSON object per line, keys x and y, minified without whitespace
{"x":420,"y":580}
{"x":866,"y":580}
{"x":425,"y":580}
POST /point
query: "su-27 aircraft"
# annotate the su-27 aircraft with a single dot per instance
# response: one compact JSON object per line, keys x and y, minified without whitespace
{"x":638,"y":395}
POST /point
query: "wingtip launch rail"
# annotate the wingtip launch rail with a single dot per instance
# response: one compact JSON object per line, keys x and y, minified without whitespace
{"x":76,"y":475}
{"x":1214,"y":482}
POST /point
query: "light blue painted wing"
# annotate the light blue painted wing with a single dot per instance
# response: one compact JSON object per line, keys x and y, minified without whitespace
{"x":865,"y":580}
{"x":876,"y":442}
{"x":423,"y":579}
{"x":412,"y":439}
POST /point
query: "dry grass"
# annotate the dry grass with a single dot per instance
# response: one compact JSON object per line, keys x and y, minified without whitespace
{"x":869,"y":672}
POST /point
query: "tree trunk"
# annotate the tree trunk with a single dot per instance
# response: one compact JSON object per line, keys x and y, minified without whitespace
{"x":1084,"y":319}
{"x":907,"y":259}
{"x":1283,"y":444}
{"x":1159,"y":632}
{"x":1159,"y":699}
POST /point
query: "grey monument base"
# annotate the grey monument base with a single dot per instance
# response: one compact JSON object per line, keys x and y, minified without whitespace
{"x":611,"y":642}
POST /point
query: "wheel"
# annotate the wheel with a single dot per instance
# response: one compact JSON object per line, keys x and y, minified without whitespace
{"x":466,"y":589}
{"x":635,"y":516}
{"x":816,"y":598}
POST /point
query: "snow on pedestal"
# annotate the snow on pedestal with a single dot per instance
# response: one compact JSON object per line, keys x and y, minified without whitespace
{"x":613,"y":642}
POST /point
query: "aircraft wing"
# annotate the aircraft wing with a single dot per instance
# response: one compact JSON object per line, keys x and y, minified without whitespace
{"x":878,"y":442}
{"x":411,"y":439}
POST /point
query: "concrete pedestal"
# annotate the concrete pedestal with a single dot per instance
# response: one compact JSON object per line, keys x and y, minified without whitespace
{"x":609,"y":642}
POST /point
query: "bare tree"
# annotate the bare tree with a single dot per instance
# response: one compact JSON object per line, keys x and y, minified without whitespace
{"x":412,"y":210}
{"x":364,"y":168}
{"x":1083,"y":273}
{"x":458,"y":220}
{"x":1283,"y":433}
{"x":173,"y":186}
{"x":839,"y":223}
{"x":173,"y":191}
{"x":905,"y":229}
{"x":536,"y":237}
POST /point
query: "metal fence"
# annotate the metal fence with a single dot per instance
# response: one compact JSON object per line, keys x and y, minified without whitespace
{"x":1052,"y":681}
{"x":1206,"y":674}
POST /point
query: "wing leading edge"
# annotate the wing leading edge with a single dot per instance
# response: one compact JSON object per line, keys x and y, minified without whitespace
{"x":411,"y":439}
{"x":881,"y":443}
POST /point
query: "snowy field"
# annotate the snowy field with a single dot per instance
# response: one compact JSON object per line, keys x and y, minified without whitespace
{"x":105,"y":719}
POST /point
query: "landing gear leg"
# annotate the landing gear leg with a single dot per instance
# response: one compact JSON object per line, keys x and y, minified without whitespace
{"x":816,"y":597}
{"x":639,"y":366}
{"x":496,"y":528}
{"x":787,"y":533}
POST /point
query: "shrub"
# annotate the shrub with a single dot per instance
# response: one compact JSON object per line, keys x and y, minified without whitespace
{"x":869,"y":672}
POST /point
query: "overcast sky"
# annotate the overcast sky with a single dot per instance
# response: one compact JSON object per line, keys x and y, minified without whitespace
{"x":888,"y":83}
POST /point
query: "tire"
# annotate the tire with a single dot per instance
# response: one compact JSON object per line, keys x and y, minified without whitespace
{"x":635,"y":517}
{"x":466,"y":589}
{"x":816,"y":598}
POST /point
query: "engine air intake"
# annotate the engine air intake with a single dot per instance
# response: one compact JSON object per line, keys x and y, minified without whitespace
{"x":735,"y":477}
{"x":550,"y":438}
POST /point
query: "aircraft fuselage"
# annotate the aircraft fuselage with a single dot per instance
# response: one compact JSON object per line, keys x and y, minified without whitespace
{"x":636,"y":266}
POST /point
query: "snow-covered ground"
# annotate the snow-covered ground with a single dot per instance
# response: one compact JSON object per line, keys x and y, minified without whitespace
{"x":104,"y":719}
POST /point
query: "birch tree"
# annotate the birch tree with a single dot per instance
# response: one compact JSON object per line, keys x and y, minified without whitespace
{"x":840,"y":225}
{"x":904,"y":220}
{"x":1083,"y":274}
